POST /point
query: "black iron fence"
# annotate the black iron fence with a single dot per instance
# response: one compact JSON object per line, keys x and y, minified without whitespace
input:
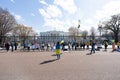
{"x":46,"y":39}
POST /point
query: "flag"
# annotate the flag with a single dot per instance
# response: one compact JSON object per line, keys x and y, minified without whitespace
{"x":79,"y":24}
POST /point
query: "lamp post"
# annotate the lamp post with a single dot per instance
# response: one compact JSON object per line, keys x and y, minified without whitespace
{"x":34,"y":37}
{"x":117,"y":25}
{"x":78,"y":28}
{"x":100,"y":30}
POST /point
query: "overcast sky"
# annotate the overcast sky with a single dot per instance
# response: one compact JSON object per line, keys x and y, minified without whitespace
{"x":46,"y":15}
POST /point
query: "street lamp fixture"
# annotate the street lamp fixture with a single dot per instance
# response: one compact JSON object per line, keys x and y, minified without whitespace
{"x":100,"y":30}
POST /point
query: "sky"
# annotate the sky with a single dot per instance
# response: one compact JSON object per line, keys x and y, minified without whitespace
{"x":60,"y":15}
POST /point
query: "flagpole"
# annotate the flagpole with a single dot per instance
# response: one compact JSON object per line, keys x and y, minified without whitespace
{"x":78,"y":28}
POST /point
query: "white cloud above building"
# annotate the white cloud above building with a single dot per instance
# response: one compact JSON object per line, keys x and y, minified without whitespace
{"x":108,"y":10}
{"x":32,"y":14}
{"x":43,"y":2}
{"x":62,"y":14}
{"x":68,"y":5}
{"x":18,"y":17}
{"x":13,"y":1}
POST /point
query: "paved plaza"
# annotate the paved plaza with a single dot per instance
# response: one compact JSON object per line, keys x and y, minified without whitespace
{"x":73,"y":65}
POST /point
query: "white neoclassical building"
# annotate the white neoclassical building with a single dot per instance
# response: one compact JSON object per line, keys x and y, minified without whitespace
{"x":53,"y":36}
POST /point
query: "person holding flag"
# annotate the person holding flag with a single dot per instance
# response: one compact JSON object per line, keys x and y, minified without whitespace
{"x":58,"y":50}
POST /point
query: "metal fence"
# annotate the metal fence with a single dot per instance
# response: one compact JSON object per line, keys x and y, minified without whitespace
{"x":46,"y":39}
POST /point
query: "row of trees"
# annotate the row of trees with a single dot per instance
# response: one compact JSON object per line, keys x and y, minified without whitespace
{"x":7,"y":22}
{"x":113,"y":26}
{"x":110,"y":28}
{"x":74,"y":31}
{"x":8,"y":25}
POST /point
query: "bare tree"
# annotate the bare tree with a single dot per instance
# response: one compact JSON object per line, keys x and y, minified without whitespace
{"x":7,"y":22}
{"x":73,"y":32}
{"x":23,"y":31}
{"x":85,"y":34}
{"x":113,"y":25}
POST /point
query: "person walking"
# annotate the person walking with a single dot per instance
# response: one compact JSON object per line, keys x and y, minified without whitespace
{"x":92,"y":47}
{"x":7,"y":46}
{"x":16,"y":44}
{"x":28,"y":47}
{"x":12,"y":46}
{"x":58,"y":50}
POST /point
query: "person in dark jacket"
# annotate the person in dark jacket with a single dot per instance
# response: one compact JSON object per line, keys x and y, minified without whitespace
{"x":7,"y":46}
{"x":106,"y":45}
{"x":92,"y":47}
{"x":16,"y":44}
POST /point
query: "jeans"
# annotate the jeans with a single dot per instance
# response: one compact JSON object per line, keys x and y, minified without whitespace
{"x":93,"y":50}
{"x":58,"y":56}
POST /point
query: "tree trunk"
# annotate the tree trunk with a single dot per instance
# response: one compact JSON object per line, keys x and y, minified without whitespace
{"x":0,"y":40}
{"x":116,"y":37}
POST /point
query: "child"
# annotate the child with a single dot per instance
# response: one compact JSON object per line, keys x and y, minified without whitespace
{"x":58,"y":50}
{"x":92,"y":47}
{"x":106,"y":45}
{"x":113,"y":46}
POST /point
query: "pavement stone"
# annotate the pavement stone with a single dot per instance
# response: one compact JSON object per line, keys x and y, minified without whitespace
{"x":73,"y":65}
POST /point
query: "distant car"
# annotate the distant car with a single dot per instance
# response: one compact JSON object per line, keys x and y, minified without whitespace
{"x":66,"y":48}
{"x":99,"y":46}
{"x":2,"y":48}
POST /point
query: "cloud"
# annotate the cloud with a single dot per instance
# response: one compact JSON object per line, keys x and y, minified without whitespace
{"x":32,"y":14}
{"x":18,"y":17}
{"x":60,"y":25}
{"x":55,"y":23}
{"x":51,"y":11}
{"x":108,"y":10}
{"x":12,"y":1}
{"x":67,"y":5}
{"x":55,"y":15}
{"x":44,"y":13}
{"x":105,"y":13}
{"x":87,"y":24}
{"x":43,"y":2}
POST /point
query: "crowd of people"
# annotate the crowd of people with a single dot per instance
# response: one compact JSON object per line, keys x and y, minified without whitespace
{"x":12,"y":45}
{"x":93,"y":45}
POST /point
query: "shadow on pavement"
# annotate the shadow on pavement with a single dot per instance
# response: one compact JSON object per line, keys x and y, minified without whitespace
{"x":88,"y":54}
{"x":48,"y":61}
{"x":2,"y":51}
{"x":54,"y":55}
